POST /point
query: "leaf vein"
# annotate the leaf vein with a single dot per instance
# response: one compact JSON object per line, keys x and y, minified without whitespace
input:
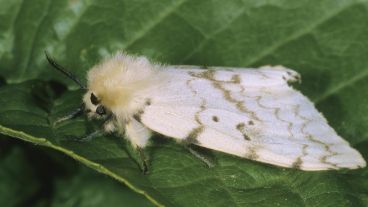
{"x":152,"y":24}
{"x":341,"y":86}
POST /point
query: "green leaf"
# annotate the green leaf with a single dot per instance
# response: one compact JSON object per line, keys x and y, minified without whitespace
{"x":326,"y":41}
{"x":33,"y":176}
{"x":18,"y":182}
{"x":91,"y":189}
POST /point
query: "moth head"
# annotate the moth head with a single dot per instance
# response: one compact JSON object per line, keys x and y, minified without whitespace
{"x":92,"y":103}
{"x":93,"y":106}
{"x":113,"y":84}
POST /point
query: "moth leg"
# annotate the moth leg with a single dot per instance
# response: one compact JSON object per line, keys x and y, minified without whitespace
{"x":205,"y":159}
{"x":109,"y":126}
{"x":90,"y":136}
{"x":138,"y":135}
{"x":71,"y":115}
{"x":144,"y":160}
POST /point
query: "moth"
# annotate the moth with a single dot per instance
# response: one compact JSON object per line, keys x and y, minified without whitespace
{"x":246,"y":112}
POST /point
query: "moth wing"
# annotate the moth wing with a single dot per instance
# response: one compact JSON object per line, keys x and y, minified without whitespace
{"x":248,"y":113}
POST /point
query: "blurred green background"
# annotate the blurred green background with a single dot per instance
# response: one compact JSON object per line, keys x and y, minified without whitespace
{"x":34,"y":176}
{"x":324,"y":40}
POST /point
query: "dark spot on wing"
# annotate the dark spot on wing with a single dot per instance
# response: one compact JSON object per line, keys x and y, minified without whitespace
{"x":193,"y":135}
{"x":235,"y":79}
{"x":148,"y":102}
{"x":246,"y":137}
{"x":297,"y":164}
{"x":138,"y":115}
{"x":251,"y":153}
{"x":215,"y":118}
{"x":250,"y":122}
{"x":240,"y":126}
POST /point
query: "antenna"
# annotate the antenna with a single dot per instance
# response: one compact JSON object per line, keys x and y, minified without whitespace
{"x":64,"y":71}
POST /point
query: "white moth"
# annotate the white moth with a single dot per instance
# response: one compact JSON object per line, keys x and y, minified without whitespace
{"x":250,"y":113}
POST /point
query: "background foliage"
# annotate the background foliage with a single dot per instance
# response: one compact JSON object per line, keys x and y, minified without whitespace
{"x":326,"y":41}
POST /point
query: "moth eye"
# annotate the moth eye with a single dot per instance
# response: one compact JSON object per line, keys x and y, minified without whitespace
{"x":100,"y":110}
{"x":94,"y":99}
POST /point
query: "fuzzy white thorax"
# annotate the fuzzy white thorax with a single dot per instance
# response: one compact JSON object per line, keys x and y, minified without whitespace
{"x":120,"y":83}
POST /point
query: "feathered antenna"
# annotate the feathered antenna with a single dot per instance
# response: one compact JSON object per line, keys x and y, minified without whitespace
{"x":64,"y":71}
